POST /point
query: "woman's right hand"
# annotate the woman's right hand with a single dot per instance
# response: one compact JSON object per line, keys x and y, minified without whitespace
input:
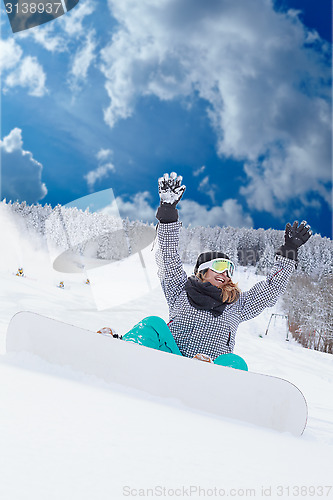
{"x":170,"y":189}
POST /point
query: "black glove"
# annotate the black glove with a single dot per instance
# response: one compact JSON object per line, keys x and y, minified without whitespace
{"x":294,"y":237}
{"x":171,"y":190}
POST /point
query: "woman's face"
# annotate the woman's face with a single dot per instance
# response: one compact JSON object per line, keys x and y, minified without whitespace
{"x":216,"y":279}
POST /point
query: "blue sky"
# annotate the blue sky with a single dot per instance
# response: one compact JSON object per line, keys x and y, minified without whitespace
{"x":235,"y":96}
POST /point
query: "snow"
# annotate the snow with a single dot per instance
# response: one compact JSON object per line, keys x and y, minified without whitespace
{"x":67,"y":435}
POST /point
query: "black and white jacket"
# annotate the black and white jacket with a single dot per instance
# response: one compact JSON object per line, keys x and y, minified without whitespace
{"x":198,"y":331}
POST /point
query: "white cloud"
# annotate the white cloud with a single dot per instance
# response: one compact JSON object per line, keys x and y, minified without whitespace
{"x":199,"y":171}
{"x":70,"y":34}
{"x":230,"y":213}
{"x":46,"y":37}
{"x":263,"y":74}
{"x":10,"y":54}
{"x":57,"y":37}
{"x":98,"y":174}
{"x":18,"y":71}
{"x":204,"y":183}
{"x":13,"y":141}
{"x":82,"y":60}
{"x":137,"y":208}
{"x":72,"y":22}
{"x":103,"y":154}
{"x":29,"y":74}
{"x":21,"y":174}
{"x":208,"y":188}
{"x":103,"y":170}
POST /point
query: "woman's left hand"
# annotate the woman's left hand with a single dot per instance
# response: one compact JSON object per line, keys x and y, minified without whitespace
{"x":296,"y":235}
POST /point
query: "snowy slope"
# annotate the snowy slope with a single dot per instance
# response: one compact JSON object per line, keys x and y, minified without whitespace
{"x":67,"y":435}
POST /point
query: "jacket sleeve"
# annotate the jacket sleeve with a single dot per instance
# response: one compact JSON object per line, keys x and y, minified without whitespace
{"x":265,"y":293}
{"x":170,"y":269}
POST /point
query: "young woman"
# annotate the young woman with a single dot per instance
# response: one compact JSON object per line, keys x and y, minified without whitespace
{"x":206,"y":308}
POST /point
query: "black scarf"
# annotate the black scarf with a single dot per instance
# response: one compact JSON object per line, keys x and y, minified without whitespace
{"x":204,"y":295}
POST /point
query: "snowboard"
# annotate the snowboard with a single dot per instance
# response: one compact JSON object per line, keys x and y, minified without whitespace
{"x":245,"y":396}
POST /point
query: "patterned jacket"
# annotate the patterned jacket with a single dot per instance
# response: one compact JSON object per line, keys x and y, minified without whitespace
{"x":198,"y":331}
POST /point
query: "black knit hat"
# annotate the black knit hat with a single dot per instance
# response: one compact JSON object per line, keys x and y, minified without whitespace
{"x":207,"y":256}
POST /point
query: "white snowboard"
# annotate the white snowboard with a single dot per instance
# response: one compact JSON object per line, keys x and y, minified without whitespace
{"x":250,"y":397}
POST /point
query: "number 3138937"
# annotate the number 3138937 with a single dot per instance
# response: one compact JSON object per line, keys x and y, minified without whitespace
{"x":32,"y":8}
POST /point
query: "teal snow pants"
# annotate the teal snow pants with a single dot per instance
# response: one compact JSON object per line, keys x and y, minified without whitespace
{"x":154,"y":332}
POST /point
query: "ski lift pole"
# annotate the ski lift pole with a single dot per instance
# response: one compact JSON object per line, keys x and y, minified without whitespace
{"x":288,"y":329}
{"x":275,"y":315}
{"x":270,"y":319}
{"x":287,"y":321}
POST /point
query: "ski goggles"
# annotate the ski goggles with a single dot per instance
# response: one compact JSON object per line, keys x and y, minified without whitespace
{"x":219,"y":266}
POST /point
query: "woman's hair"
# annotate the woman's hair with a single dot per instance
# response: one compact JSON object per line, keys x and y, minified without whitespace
{"x":230,"y":292}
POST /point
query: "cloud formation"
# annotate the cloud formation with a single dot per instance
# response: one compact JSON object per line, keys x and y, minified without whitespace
{"x":102,"y":171}
{"x":264,"y":76}
{"x":21,"y":174}
{"x":72,"y":22}
{"x":71,"y":36}
{"x":205,"y":186}
{"x":82,"y":60}
{"x":199,"y":171}
{"x":46,"y":37}
{"x":55,"y":37}
{"x":19,"y":71}
{"x":230,"y":213}
{"x":137,"y":208}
